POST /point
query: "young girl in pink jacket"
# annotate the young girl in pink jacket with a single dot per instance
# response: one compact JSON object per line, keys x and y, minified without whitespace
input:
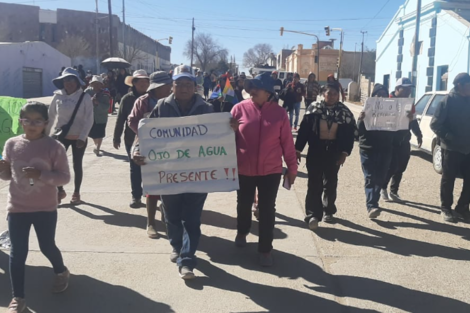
{"x":263,"y":138}
{"x":35,"y":164}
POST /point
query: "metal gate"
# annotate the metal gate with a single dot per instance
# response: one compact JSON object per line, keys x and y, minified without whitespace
{"x":32,"y":82}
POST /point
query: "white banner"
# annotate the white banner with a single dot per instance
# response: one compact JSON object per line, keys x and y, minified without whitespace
{"x":387,"y":114}
{"x":194,"y":154}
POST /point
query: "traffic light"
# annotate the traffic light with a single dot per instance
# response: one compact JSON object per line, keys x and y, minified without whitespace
{"x":337,"y":62}
{"x":170,"y":40}
{"x":327,"y":30}
{"x":282,"y":31}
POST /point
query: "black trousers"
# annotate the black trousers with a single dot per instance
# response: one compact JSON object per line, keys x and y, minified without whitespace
{"x":454,"y":163}
{"x":268,"y":187}
{"x":322,"y":182}
{"x":400,"y":157}
{"x":77,"y":156}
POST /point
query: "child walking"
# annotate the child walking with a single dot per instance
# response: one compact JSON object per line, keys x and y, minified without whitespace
{"x":35,"y":164}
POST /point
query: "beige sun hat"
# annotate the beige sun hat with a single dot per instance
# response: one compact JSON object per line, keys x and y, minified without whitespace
{"x":136,"y":74}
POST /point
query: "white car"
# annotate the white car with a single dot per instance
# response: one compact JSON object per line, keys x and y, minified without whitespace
{"x":425,"y":109}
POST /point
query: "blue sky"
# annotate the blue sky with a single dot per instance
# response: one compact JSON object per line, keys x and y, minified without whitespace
{"x":239,"y":25}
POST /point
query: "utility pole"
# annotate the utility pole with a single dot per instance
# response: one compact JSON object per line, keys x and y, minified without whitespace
{"x":414,"y":74}
{"x":97,"y":42}
{"x":354,"y":59}
{"x":110,"y":29}
{"x":318,"y":46}
{"x":362,"y":57}
{"x":124,"y":28}
{"x":340,"y":52}
{"x":192,"y":44}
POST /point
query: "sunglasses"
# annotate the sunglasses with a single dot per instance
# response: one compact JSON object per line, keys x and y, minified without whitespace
{"x":28,"y":122}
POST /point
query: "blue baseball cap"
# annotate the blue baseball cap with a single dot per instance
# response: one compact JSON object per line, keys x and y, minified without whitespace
{"x":183,"y":71}
{"x":263,"y":81}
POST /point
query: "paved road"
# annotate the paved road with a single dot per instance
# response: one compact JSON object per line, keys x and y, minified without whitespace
{"x":407,"y":261}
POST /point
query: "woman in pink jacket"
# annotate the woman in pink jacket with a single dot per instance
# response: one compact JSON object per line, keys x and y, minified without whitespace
{"x":263,"y":137}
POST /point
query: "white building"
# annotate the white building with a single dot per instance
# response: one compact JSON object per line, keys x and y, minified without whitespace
{"x":444,"y":45}
{"x":28,"y":68}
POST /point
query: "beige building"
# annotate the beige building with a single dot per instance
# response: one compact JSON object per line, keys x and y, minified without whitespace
{"x":303,"y":60}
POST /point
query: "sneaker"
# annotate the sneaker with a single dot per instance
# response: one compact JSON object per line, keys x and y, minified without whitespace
{"x":61,"y":281}
{"x":135,"y":203}
{"x":240,"y":241}
{"x":463,"y":216}
{"x":174,"y":255}
{"x":384,"y":195}
{"x":17,"y":305}
{"x":374,"y":213}
{"x":96,"y":151}
{"x":75,"y":199}
{"x":186,"y":273}
{"x":448,"y":216}
{"x":151,"y":232}
{"x":329,"y":218}
{"x":395,"y":197}
{"x":313,"y":223}
{"x":265,"y":259}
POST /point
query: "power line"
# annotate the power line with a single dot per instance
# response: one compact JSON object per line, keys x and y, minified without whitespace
{"x":383,"y":7}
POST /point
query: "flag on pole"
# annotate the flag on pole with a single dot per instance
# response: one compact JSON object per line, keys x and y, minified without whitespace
{"x":216,"y":93}
{"x":229,"y":93}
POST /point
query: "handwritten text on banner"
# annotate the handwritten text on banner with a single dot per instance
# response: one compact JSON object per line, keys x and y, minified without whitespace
{"x":387,"y":114}
{"x":194,"y":154}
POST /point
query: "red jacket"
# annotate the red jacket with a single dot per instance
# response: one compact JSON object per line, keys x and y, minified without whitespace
{"x":263,"y":139}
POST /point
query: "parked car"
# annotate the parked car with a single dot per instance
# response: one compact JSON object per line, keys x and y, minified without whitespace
{"x":425,"y":109}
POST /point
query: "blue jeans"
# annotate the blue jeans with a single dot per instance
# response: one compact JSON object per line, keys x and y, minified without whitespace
{"x":19,"y":225}
{"x":295,"y":109}
{"x":183,"y":221}
{"x":136,"y":176}
{"x":375,"y":165}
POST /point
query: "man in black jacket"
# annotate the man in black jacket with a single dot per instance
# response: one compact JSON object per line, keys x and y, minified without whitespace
{"x":451,"y":125}
{"x":401,"y":145}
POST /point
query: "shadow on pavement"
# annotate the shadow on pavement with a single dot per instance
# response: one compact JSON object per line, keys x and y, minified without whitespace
{"x":421,"y":206}
{"x":421,"y":154}
{"x":425,"y":224}
{"x":85,"y":294}
{"x":217,"y":219}
{"x":388,"y":242}
{"x":281,"y":299}
{"x":117,"y":218}
{"x":116,"y":156}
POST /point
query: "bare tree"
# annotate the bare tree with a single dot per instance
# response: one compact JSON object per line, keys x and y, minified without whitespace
{"x":135,"y":48}
{"x":74,"y":46}
{"x":207,"y":51}
{"x":258,"y":55}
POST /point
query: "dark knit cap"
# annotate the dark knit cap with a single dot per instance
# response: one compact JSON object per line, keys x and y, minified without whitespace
{"x":462,"y":78}
{"x":378,"y":88}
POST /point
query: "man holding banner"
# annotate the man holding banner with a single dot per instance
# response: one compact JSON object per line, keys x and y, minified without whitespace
{"x":166,"y":145}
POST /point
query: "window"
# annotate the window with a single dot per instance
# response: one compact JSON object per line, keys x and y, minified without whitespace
{"x":421,"y":104}
{"x":442,"y":77}
{"x":42,"y":32}
{"x":54,"y":33}
{"x":435,"y":102}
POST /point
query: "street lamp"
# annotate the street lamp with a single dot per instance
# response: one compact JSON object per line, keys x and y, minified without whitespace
{"x":327,"y":30}
{"x":318,"y":46}
{"x":170,"y":40}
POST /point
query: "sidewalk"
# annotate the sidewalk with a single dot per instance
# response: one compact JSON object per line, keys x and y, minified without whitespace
{"x":408,"y":261}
